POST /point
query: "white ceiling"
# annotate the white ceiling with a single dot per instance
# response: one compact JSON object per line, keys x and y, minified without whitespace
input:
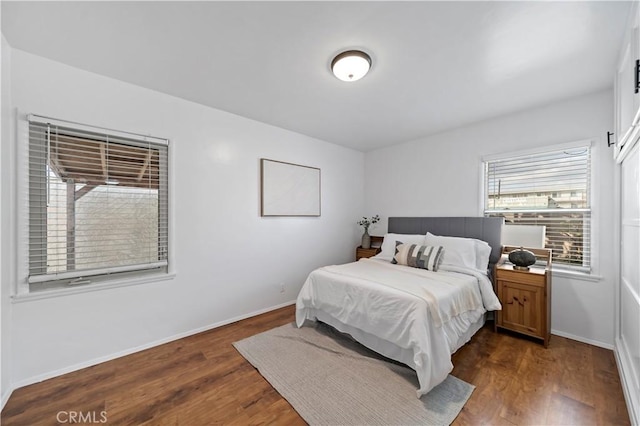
{"x":436,"y":65}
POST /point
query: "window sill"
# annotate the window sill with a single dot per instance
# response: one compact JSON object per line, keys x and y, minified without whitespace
{"x":67,"y":291}
{"x":575,"y":275}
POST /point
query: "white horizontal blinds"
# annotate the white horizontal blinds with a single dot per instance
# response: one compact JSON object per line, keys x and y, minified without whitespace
{"x":551,"y":189}
{"x":97,"y":202}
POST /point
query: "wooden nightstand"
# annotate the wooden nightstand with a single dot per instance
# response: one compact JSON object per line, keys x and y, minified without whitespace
{"x":525,"y":296}
{"x":370,"y":252}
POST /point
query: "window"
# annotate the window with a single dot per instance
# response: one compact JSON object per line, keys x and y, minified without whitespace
{"x":97,"y":203}
{"x":546,"y":188}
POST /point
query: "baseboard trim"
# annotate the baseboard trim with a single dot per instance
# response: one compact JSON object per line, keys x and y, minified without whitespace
{"x":582,"y":339}
{"x":95,"y":361}
{"x":632,"y":398}
{"x":5,"y":397}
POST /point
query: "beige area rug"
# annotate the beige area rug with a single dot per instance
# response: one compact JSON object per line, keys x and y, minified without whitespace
{"x":332,"y":380}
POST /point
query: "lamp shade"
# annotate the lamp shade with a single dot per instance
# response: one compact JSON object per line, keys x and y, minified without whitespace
{"x":351,"y":65}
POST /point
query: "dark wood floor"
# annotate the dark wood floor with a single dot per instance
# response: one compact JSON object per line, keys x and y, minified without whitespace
{"x":202,"y":380}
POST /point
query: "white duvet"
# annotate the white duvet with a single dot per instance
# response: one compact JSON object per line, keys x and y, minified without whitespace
{"x":418,"y":312}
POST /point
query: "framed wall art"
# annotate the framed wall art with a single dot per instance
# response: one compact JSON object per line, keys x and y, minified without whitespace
{"x":289,"y":189}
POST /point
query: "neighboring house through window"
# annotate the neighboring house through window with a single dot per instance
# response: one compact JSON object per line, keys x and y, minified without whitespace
{"x":550,"y":188}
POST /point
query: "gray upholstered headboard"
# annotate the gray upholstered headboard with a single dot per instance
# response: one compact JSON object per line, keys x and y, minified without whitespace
{"x":488,"y":229}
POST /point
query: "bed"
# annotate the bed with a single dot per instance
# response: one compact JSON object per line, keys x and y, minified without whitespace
{"x":416,"y":316}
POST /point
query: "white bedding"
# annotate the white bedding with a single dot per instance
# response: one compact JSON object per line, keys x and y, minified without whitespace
{"x":412,"y":315}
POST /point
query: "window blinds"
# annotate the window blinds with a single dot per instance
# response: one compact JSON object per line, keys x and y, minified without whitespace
{"x":551,"y":189}
{"x":98,"y":201}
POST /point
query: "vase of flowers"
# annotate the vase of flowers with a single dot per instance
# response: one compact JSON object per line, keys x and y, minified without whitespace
{"x":366,"y":223}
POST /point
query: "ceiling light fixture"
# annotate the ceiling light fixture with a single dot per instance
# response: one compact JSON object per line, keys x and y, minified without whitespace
{"x":351,"y":65}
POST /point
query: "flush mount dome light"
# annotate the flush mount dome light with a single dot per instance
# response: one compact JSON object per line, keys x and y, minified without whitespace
{"x":351,"y":65}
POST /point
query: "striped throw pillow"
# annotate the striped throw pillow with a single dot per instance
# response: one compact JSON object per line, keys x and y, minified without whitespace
{"x":417,"y":256}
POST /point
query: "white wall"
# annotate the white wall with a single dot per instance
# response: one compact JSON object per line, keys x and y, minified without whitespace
{"x":6,"y":232}
{"x":229,"y":260}
{"x":440,"y":175}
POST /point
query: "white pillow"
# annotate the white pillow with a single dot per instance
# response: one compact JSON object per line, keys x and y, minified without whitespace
{"x":483,"y":252}
{"x":388,"y":248}
{"x":457,"y":251}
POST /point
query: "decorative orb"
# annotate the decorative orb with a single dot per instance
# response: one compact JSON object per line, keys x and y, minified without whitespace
{"x":522,"y":258}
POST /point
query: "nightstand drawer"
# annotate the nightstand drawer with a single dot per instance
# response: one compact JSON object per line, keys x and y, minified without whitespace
{"x":370,"y":252}
{"x":523,"y":277}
